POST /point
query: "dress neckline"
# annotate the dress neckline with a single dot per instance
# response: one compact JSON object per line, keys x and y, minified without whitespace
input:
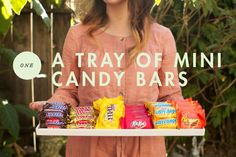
{"x":100,"y":30}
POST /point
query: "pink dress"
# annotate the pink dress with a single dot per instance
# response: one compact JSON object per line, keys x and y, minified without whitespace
{"x":161,"y":40}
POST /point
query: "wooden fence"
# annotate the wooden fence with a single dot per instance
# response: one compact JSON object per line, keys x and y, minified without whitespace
{"x":29,"y":33}
{"x":32,"y":34}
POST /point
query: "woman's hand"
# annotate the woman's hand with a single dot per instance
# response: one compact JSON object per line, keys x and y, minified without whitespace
{"x":38,"y":105}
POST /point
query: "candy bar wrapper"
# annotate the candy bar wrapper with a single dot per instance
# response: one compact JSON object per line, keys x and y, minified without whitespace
{"x":135,"y":108}
{"x":52,"y":122}
{"x":137,"y":123}
{"x":81,"y":118}
{"x":165,"y":112}
{"x":190,"y":114}
{"x":58,"y":126}
{"x":84,"y":110}
{"x":82,"y":113}
{"x":138,"y":111}
{"x":110,"y":112}
{"x":169,"y":123}
{"x":136,"y":117}
{"x":52,"y":114}
{"x":56,"y":106}
{"x":151,"y":106}
{"x":191,"y":120}
{"x":80,"y":126}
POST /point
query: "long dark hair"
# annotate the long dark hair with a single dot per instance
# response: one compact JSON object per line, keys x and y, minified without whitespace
{"x":140,"y":20}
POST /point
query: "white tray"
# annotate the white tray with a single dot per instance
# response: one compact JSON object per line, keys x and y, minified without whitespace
{"x":119,"y":132}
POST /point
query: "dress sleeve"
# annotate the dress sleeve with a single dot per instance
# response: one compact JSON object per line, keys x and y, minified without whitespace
{"x":68,"y":94}
{"x":168,"y":58}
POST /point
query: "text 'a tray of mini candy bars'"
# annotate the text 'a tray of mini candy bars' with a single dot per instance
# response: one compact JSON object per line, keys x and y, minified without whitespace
{"x":111,"y":117}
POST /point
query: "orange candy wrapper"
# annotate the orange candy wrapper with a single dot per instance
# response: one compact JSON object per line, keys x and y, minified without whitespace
{"x":190,"y":114}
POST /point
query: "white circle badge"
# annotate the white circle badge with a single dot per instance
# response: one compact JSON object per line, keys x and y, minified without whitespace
{"x":27,"y":65}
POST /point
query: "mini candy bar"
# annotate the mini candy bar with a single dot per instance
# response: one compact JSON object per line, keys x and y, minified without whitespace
{"x":43,"y":116}
{"x":81,"y":117}
{"x":190,"y":114}
{"x":190,"y":119}
{"x":110,"y":112}
{"x":71,"y":126}
{"x":135,"y":107}
{"x":56,"y":106}
{"x":55,"y":123}
{"x":55,"y":126}
{"x":136,"y":117}
{"x":151,"y":105}
{"x":44,"y":125}
{"x":80,"y":126}
{"x":161,"y":109}
{"x":165,"y":112}
{"x":54,"y":115}
{"x":170,"y":123}
{"x":138,"y":123}
{"x":84,"y":110}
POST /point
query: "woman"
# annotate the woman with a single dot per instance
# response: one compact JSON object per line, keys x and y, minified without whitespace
{"x":117,"y":26}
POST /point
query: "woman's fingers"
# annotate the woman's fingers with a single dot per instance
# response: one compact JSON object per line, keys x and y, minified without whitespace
{"x":38,"y":105}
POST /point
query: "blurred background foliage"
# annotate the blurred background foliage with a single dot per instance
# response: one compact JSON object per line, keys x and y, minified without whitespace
{"x":207,"y":26}
{"x":12,"y":116}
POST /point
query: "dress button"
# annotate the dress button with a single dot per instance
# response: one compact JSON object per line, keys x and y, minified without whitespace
{"x":122,"y":38}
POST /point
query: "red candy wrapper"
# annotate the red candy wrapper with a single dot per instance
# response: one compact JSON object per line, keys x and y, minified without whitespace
{"x":136,"y":117}
{"x":190,"y":114}
{"x":138,"y":122}
{"x":190,"y":119}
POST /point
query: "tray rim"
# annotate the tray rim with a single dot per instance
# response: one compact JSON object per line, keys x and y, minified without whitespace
{"x":119,"y":132}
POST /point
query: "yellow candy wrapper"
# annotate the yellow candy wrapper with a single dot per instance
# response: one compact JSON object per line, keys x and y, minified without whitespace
{"x":110,"y":112}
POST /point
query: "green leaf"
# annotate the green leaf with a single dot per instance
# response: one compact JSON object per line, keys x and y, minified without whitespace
{"x":206,"y":77}
{"x":18,"y":5}
{"x":5,"y":16}
{"x":157,"y":2}
{"x":6,"y":152}
{"x":1,"y":135}
{"x":9,"y":119}
{"x":232,"y":71}
{"x":216,"y":117}
{"x":41,"y":12}
{"x":25,"y":110}
{"x":9,"y":140}
{"x":190,"y":90}
{"x":8,"y":55}
{"x":8,"y":6}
